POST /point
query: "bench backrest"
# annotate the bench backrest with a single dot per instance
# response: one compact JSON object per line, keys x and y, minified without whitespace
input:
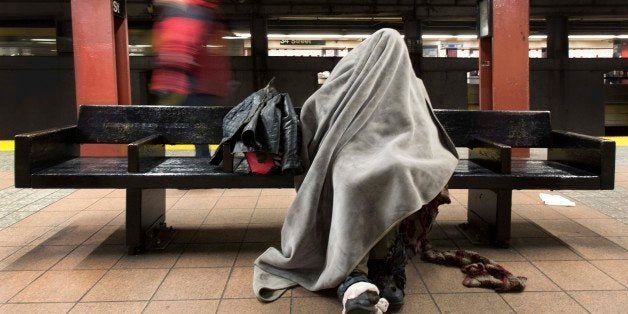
{"x":125,"y":124}
{"x":513,"y":128}
{"x":200,"y":125}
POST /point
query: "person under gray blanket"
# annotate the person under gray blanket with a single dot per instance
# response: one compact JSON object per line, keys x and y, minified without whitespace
{"x":375,"y":154}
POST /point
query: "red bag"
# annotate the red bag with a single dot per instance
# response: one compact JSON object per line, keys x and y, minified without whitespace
{"x":257,"y":166}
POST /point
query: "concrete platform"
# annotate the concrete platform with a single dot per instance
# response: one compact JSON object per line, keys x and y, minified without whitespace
{"x":62,"y":251}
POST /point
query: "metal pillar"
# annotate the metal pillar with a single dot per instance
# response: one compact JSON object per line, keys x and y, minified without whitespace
{"x":557,"y":37}
{"x":412,"y":31}
{"x":505,"y":56}
{"x":101,"y":60}
{"x":259,"y":51}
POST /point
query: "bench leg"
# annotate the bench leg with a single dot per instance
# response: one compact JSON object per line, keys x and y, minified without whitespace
{"x":488,"y":215}
{"x":145,"y":218}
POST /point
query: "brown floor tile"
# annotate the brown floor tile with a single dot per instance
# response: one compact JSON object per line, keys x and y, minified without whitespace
{"x":240,"y":283}
{"x":5,"y":183}
{"x":269,"y":216}
{"x":109,"y":235}
{"x":419,"y":303}
{"x":29,"y":308}
{"x":577,"y":275}
{"x":120,"y":220}
{"x":543,"y":302}
{"x":263,"y":233}
{"x":316,"y":305}
{"x":253,"y":306}
{"x":117,"y":193}
{"x":236,"y":202}
{"x":93,"y":217}
{"x":91,"y":257}
{"x":543,"y":249}
{"x":179,"y":193}
{"x":605,"y":227}
{"x":126,"y":285}
{"x":622,"y":241}
{"x":90,"y":193}
{"x":20,"y":236}
{"x":284,"y":192}
{"x":242,"y":192}
{"x":519,"y":197}
{"x":471,"y":303}
{"x":596,"y":248}
{"x":198,"y":193}
{"x":185,"y":234}
{"x":617,"y":269}
{"x":59,"y":286}
{"x":462,"y":199}
{"x":250,"y":251}
{"x":436,"y":233}
{"x":12,"y":282}
{"x":452,"y":212}
{"x":451,"y":229}
{"x":537,"y":281}
{"x":187,"y":306}
{"x":69,"y":204}
{"x":40,"y":257}
{"x":537,"y":212}
{"x":109,"y":203}
{"x":565,"y":228}
{"x":6,"y":251}
{"x":170,"y":201}
{"x":578,"y":211}
{"x":45,"y":219}
{"x":219,"y":233}
{"x":602,"y":301}
{"x":229,"y":216}
{"x":208,"y":255}
{"x":414,"y":284}
{"x":525,"y":229}
{"x":67,"y":235}
{"x":186,"y":217}
{"x":195,"y":203}
{"x":152,"y":259}
{"x":109,"y":307}
{"x":443,"y":279}
{"x":274,"y":201}
{"x":300,"y":292}
{"x":496,"y":254}
{"x":194,"y":283}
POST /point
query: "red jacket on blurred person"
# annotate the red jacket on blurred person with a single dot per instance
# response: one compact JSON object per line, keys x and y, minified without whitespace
{"x":184,"y":65}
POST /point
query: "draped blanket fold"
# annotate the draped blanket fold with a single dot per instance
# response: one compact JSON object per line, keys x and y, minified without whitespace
{"x":375,"y":154}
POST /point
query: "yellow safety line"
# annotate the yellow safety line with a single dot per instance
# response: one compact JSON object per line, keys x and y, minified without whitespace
{"x":619,"y":140}
{"x":9,"y":146}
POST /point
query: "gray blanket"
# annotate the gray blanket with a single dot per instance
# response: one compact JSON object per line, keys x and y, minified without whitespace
{"x":375,"y":154}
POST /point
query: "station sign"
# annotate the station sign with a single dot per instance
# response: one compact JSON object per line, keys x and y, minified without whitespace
{"x":119,"y":8}
{"x":450,"y":45}
{"x":301,"y":42}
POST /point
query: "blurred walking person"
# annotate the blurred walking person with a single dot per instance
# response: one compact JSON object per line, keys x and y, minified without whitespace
{"x":191,"y":66}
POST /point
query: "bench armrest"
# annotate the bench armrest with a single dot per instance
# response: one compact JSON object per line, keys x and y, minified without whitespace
{"x":145,"y":153}
{"x":491,"y":155}
{"x":37,"y":150}
{"x":585,"y":152}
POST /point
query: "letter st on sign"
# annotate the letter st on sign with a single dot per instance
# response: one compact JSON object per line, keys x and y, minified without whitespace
{"x":118,"y":7}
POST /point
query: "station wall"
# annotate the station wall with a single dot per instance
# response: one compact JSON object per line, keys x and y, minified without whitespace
{"x":39,"y":92}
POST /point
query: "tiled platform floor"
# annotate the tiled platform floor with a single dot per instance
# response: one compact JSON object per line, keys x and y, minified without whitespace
{"x":68,"y":255}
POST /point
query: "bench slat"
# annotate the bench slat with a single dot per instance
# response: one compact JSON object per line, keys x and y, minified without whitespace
{"x":186,"y":172}
{"x":126,"y":124}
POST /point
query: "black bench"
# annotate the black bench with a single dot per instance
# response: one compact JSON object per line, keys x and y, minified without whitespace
{"x":50,"y":159}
